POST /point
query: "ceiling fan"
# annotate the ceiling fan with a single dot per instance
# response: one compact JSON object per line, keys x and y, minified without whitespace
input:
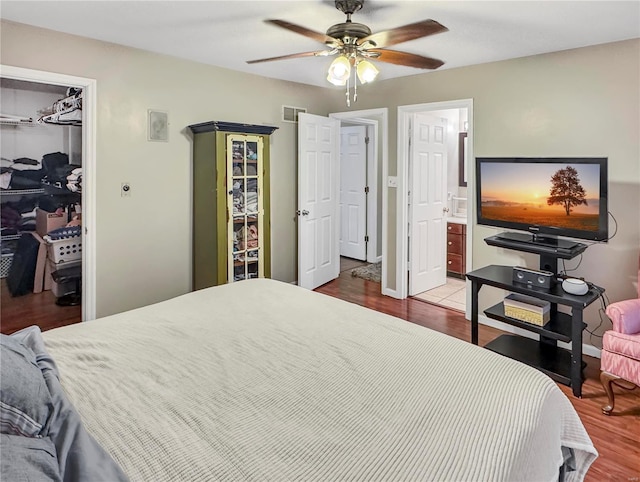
{"x":355,"y":42}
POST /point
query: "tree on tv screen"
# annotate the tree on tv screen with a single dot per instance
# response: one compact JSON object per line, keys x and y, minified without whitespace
{"x":566,"y":189}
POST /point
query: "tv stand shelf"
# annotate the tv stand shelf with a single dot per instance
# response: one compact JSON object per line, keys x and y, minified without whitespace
{"x":559,"y":328}
{"x":564,"y":366}
{"x":549,"y":359}
{"x":548,"y":254}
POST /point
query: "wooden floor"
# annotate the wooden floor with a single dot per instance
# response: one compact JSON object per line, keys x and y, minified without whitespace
{"x":617,"y":437}
{"x":34,"y":309}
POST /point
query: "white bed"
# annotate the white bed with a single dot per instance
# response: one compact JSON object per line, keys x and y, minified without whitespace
{"x":260,"y":380}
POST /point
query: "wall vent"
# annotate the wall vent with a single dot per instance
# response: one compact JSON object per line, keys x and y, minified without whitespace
{"x":290,"y":114}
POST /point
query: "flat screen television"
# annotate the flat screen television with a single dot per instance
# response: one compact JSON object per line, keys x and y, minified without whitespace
{"x":546,"y":197}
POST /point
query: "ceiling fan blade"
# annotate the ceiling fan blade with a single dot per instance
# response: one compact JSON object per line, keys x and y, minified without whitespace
{"x":292,"y":56}
{"x":320,"y":37}
{"x":404,"y":33}
{"x":404,"y":58}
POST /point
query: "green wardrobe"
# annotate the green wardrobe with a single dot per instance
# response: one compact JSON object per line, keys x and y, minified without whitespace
{"x":231,"y":212}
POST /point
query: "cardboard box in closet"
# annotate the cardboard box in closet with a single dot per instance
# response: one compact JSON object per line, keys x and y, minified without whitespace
{"x":46,"y":222}
{"x":39,"y":276}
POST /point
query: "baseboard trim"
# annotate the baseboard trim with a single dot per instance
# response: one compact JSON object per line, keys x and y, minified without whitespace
{"x":589,"y":350}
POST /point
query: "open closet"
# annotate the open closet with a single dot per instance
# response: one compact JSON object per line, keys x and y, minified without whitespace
{"x":41,"y":204}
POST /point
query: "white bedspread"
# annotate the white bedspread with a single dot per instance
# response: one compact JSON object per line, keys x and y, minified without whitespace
{"x":261,"y":380}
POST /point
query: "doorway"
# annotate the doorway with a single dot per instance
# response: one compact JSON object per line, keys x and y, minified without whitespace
{"x":358,"y":191}
{"x":74,"y":137}
{"x":372,"y":124}
{"x":318,"y":199}
{"x":441,"y":256}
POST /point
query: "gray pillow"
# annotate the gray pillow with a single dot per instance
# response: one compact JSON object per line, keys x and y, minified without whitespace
{"x":25,"y":400}
{"x":26,"y":459}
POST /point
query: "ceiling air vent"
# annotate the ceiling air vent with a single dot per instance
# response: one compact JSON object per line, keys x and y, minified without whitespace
{"x":290,"y":114}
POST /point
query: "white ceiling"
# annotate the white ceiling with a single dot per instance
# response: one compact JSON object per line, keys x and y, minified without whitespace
{"x":228,"y":33}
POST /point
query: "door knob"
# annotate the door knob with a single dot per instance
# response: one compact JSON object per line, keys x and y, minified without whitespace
{"x":304,"y":212}
{"x":445,"y":210}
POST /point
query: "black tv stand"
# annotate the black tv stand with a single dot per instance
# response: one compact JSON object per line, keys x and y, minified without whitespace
{"x":563,"y":365}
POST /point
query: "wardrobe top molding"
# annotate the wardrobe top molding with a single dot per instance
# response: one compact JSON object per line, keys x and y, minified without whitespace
{"x":231,"y":127}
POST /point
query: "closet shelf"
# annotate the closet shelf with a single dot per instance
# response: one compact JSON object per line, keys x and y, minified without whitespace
{"x":25,"y":123}
{"x":15,"y":120}
{"x":58,"y":188}
{"x":11,"y":237}
{"x":21,"y":192}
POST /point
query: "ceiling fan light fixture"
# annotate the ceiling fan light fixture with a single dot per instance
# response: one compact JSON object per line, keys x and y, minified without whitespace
{"x":355,"y":44}
{"x":339,"y":71}
{"x":367,"y":72}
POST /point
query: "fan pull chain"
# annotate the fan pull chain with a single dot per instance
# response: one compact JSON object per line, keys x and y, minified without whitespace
{"x":347,"y":94}
{"x":355,"y":89}
{"x":355,"y":86}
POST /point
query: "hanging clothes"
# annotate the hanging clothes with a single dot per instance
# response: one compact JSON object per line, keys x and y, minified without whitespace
{"x":67,"y":111}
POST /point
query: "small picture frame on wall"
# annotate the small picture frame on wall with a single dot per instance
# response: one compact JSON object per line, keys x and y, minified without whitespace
{"x":158,"y":126}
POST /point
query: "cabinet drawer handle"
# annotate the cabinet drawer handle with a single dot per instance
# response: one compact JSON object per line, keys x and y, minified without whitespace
{"x":449,"y":243}
{"x":449,"y":228}
{"x":448,"y":262}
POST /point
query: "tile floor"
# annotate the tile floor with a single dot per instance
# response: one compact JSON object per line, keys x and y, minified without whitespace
{"x":452,"y":294}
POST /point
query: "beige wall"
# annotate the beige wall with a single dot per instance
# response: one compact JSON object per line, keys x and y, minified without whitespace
{"x":571,"y":103}
{"x":144,"y":241}
{"x":582,"y":102}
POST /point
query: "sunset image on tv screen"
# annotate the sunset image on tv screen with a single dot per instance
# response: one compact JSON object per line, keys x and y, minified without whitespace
{"x":559,"y":195}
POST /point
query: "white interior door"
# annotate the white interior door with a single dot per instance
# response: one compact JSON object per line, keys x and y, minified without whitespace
{"x":428,"y":201}
{"x":318,"y":215}
{"x":353,"y":198}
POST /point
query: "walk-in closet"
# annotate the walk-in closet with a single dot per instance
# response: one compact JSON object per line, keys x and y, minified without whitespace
{"x":41,"y":204}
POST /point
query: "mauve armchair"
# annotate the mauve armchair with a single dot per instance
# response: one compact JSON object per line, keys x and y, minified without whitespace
{"x":620,"y":357}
